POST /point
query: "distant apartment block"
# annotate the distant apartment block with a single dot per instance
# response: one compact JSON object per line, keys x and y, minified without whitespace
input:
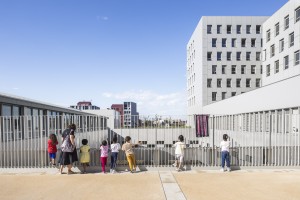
{"x":128,"y":112}
{"x":85,"y":105}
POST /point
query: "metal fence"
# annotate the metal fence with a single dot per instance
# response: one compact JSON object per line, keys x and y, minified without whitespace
{"x":23,"y":140}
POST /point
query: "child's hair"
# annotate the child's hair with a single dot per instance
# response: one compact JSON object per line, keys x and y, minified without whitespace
{"x":72,"y":126}
{"x":181,"y":138}
{"x":84,"y":141}
{"x":53,"y":138}
{"x":225,"y":137}
{"x":104,"y":142}
{"x":114,"y":140}
{"x":127,"y":139}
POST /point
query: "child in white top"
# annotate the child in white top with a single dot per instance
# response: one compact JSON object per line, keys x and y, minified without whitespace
{"x":179,"y":153}
{"x":225,"y":144}
{"x":115,"y":148}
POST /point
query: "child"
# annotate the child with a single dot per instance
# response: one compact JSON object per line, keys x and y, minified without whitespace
{"x":104,"y":154}
{"x":52,"y":142}
{"x":128,"y":148}
{"x":115,"y":148}
{"x":85,"y":155}
{"x":179,"y":153}
{"x":225,"y":153}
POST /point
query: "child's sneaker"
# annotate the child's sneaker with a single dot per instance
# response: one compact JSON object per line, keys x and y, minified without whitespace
{"x":174,"y":165}
{"x":222,"y":170}
{"x":110,"y":171}
{"x":228,"y":169}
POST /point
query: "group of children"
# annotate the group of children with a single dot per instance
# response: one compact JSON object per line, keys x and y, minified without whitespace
{"x":127,"y":147}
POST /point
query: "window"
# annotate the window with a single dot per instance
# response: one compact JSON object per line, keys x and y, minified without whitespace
{"x":276,"y":29}
{"x":268,"y":70}
{"x":214,"y":69}
{"x":228,"y":29}
{"x":209,"y":27}
{"x":238,"y":29}
{"x":253,"y":69}
{"x":276,"y":66}
{"x":248,"y":55}
{"x":243,"y":69}
{"x":219,"y":29}
{"x":238,"y":55}
{"x":223,"y":69}
{"x":258,"y":56}
{"x":265,"y":55}
{"x":233,"y":94}
{"x":297,"y":14}
{"x":291,"y":37}
{"x":228,"y":55}
{"x":248,"y":29}
{"x":286,"y":22}
{"x":286,"y":62}
{"x":228,"y":83}
{"x":219,"y":55}
{"x":261,"y":69}
{"x":224,"y":42}
{"x":219,"y":83}
{"x":233,"y":42}
{"x":257,"y":82}
{"x":272,"y":50}
{"x":258,"y":29}
{"x":281,"y":45}
{"x":209,"y":83}
{"x":214,"y":42}
{"x":268,"y":35}
{"x":253,"y":40}
{"x":223,"y":95}
{"x":209,"y":54}
{"x":248,"y":82}
{"x":243,"y":41}
{"x":238,"y":83}
{"x":233,"y":69}
{"x":297,"y":57}
{"x":214,"y":96}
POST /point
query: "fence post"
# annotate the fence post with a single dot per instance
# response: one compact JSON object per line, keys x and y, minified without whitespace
{"x":213,"y":142}
{"x":270,"y":139}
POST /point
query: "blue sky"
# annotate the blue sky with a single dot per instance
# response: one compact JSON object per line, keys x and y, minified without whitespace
{"x":107,"y":51}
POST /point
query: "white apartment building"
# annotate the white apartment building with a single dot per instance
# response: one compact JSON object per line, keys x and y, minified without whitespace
{"x":281,"y":44}
{"x":223,"y":59}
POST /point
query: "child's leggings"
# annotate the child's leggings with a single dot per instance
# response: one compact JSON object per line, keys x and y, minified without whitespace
{"x":103,"y":163}
{"x":131,"y":161}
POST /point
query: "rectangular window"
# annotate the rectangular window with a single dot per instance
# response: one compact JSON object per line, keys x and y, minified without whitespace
{"x":253,"y":69}
{"x":297,"y":57}
{"x":228,"y":83}
{"x":238,"y":83}
{"x":224,"y":42}
{"x":248,"y":82}
{"x":276,"y":29}
{"x":219,"y":83}
{"x":223,"y":69}
{"x":276,"y":66}
{"x":268,"y":35}
{"x":253,"y":41}
{"x":214,"y":96}
{"x":265,"y":55}
{"x":286,"y":62}
{"x":238,"y":29}
{"x":258,"y":29}
{"x":281,"y":45}
{"x":233,"y":69}
{"x":228,"y":56}
{"x":261,"y":69}
{"x":233,"y":94}
{"x":272,"y":50}
{"x":209,"y":55}
{"x":286,"y":22}
{"x":209,"y":83}
{"x":219,"y":55}
{"x":248,"y":55}
{"x":223,"y":95}
{"x":214,"y":69}
{"x":243,"y":42}
{"x":214,"y":42}
{"x":248,"y":29}
{"x":209,"y":27}
{"x":219,"y":29}
{"x":291,"y":39}
{"x":268,"y":70}
{"x":243,"y":69}
{"x":228,"y":29}
{"x":257,"y":83}
{"x":233,"y":42}
{"x":258,"y":56}
{"x":238,"y":55}
{"x":297,"y":14}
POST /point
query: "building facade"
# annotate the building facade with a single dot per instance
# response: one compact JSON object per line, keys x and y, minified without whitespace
{"x":85,"y":105}
{"x":128,"y":112}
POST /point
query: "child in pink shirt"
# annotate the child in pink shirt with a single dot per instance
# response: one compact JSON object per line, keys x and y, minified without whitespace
{"x":104,"y":154}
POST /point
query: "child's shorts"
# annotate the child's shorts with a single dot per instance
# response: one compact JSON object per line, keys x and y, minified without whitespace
{"x":179,"y":157}
{"x":52,"y":155}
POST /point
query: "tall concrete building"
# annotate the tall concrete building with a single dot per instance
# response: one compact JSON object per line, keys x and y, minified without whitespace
{"x":223,"y":59}
{"x":128,"y":112}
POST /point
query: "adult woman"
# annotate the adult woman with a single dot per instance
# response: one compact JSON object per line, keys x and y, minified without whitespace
{"x":68,"y":147}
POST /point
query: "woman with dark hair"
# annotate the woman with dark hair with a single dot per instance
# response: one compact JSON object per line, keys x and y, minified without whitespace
{"x":68,"y":147}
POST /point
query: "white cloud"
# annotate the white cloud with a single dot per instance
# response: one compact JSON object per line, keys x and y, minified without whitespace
{"x":15,"y":88}
{"x":149,"y":102}
{"x":104,"y":18}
